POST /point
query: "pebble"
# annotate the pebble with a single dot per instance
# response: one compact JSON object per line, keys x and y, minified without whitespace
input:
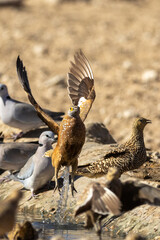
{"x":39,"y":49}
{"x":149,"y":76}
{"x":127,"y":65}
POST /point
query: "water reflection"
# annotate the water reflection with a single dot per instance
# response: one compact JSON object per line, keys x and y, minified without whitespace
{"x":68,"y":232}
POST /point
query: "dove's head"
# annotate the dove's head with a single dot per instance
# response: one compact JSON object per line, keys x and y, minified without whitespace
{"x":74,"y":111}
{"x":46,"y":137}
{"x":3,"y":90}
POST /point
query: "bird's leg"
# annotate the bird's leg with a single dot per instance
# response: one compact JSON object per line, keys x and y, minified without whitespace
{"x":57,"y":168}
{"x":33,"y":195}
{"x":99,"y":228}
{"x":74,"y":167}
{"x":88,"y":221}
{"x":93,"y":219}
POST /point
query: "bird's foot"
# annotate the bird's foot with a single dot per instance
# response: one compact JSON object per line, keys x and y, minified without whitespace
{"x":55,"y":188}
{"x":16,"y":136}
{"x":73,"y":190}
{"x":33,"y":195}
{"x":5,"y":179}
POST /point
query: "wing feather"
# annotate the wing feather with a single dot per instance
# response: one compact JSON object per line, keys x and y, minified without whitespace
{"x":22,"y":75}
{"x":81,"y":84}
{"x":105,"y":201}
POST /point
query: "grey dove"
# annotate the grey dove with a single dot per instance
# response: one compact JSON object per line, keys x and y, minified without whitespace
{"x":38,"y":170}
{"x":19,"y":114}
{"x":13,"y":156}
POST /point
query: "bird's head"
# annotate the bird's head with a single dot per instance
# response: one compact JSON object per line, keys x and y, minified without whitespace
{"x":74,"y":111}
{"x":3,"y":90}
{"x":46,"y":137}
{"x":140,"y":123}
{"x":113,"y":173}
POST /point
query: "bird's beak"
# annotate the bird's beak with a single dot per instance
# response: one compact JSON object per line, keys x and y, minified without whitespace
{"x":148,"y":121}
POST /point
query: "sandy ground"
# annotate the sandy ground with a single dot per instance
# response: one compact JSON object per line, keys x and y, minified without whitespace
{"x":121,"y":39}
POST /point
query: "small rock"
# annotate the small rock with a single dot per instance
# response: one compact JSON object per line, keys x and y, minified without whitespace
{"x":58,"y":80}
{"x":97,"y":132}
{"x":40,"y":49}
{"x":155,"y":155}
{"x":157,"y":238}
{"x":127,"y":65}
{"x":149,"y":76}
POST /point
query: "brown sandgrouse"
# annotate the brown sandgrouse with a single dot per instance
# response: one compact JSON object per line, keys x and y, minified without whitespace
{"x":98,"y":201}
{"x":100,"y":197}
{"x":71,"y":132}
{"x":127,"y":156}
{"x":8,"y":212}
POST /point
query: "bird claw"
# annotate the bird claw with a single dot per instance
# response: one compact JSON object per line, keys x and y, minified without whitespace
{"x":5,"y":179}
{"x":55,"y":188}
{"x":32,"y":196}
{"x":73,"y":190}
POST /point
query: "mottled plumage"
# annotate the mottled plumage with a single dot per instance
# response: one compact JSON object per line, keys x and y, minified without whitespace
{"x":120,"y":195}
{"x":98,"y":201}
{"x":71,"y":132}
{"x":127,"y":156}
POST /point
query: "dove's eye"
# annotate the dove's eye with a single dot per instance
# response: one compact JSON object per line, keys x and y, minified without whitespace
{"x":71,"y":109}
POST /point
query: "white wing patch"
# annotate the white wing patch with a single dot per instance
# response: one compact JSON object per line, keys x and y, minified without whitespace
{"x":81,"y":101}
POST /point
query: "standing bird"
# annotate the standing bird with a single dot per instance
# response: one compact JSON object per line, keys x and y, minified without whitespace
{"x":38,"y":170}
{"x":127,"y":156}
{"x":13,"y":156}
{"x":8,"y":211}
{"x":19,"y":114}
{"x":98,"y":201}
{"x":71,"y":132}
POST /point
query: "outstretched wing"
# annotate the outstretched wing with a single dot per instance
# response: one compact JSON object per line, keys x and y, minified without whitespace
{"x":104,"y":201}
{"x":81,"y":84}
{"x":22,"y":75}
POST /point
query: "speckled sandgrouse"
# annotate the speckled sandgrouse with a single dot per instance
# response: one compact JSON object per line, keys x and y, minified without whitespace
{"x":127,"y":156}
{"x":71,"y":132}
{"x":97,"y":201}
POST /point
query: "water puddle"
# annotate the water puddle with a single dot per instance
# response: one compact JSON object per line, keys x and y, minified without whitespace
{"x":68,"y":231}
{"x":62,"y":224}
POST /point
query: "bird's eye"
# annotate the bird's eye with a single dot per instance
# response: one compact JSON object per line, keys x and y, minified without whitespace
{"x":2,"y":88}
{"x":71,"y":109}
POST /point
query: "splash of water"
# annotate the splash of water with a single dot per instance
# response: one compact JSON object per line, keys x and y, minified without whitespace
{"x":60,"y":216}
